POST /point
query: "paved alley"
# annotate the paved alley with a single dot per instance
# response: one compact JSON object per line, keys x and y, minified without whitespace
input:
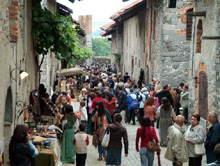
{"x":133,"y":158}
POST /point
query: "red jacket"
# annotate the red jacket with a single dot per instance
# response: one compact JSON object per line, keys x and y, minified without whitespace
{"x":98,"y":99}
{"x":145,"y":139}
{"x":111,"y":105}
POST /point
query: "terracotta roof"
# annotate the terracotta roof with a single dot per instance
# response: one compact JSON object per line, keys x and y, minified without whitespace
{"x":63,"y":10}
{"x":126,"y":9}
{"x":76,"y":21}
{"x":108,"y":26}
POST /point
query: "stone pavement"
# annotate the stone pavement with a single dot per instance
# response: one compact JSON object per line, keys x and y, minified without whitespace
{"x":133,"y":158}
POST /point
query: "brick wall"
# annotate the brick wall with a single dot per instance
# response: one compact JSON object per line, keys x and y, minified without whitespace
{"x":13,"y":21}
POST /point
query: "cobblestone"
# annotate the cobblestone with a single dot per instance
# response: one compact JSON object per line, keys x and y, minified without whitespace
{"x":133,"y":158}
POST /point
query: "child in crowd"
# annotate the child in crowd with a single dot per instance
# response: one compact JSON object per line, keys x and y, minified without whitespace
{"x":81,"y":141}
{"x":83,"y":113}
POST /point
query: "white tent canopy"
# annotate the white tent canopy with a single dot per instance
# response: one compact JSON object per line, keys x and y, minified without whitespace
{"x":72,"y":71}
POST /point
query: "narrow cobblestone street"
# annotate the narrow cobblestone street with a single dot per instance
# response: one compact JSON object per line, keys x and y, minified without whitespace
{"x":133,"y":158}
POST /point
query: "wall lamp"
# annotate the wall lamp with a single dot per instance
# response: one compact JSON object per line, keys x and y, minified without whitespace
{"x":22,"y":74}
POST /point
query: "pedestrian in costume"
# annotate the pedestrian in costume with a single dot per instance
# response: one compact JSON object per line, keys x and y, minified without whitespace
{"x":167,"y":117}
{"x":101,"y":121}
{"x":195,"y":134}
{"x":145,"y":133}
{"x":117,"y":132}
{"x":70,"y":125}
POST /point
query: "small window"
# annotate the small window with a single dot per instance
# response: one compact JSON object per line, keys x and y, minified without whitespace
{"x":189,"y":26}
{"x":172,"y":4}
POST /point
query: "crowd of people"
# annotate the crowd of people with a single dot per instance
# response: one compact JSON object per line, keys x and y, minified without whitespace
{"x":107,"y":101}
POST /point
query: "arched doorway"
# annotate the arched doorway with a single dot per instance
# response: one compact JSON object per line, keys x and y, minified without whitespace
{"x":8,"y":119}
{"x":203,"y":95}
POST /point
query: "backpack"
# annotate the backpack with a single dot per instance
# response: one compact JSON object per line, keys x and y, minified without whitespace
{"x":134,"y":104}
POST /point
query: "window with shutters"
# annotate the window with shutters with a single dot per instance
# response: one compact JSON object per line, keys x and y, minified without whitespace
{"x":189,"y":26}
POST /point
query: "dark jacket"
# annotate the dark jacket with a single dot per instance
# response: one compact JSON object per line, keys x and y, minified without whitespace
{"x":122,"y":101}
{"x":117,"y":132}
{"x":164,"y":93}
{"x":213,"y":136}
{"x":216,"y":163}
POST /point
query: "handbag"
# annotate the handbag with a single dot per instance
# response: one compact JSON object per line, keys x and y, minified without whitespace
{"x":106,"y":139}
{"x":151,"y":145}
{"x":199,"y":149}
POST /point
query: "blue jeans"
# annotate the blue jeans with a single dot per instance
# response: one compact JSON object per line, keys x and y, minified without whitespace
{"x":101,"y":151}
{"x":147,"y":157}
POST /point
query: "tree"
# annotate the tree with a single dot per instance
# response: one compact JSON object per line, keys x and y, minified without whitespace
{"x":55,"y":33}
{"x":101,"y":47}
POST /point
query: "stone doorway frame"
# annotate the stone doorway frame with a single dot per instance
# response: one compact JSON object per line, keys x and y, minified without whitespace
{"x":8,"y":120}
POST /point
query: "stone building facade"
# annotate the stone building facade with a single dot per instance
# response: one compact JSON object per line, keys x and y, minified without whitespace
{"x":150,"y":35}
{"x":181,"y":44}
{"x":17,"y":54}
{"x":86,"y":24}
{"x":204,"y":78}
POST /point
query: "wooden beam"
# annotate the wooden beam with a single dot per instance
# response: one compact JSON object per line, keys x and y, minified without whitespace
{"x":211,"y":38}
{"x":202,"y":13}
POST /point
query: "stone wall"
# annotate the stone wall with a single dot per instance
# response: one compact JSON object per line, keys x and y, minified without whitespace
{"x":86,"y":24}
{"x":16,"y":52}
{"x":133,"y":52}
{"x":207,"y":61}
{"x":174,"y":49}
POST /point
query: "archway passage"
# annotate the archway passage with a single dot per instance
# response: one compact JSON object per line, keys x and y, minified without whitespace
{"x":8,"y":119}
{"x":203,"y":95}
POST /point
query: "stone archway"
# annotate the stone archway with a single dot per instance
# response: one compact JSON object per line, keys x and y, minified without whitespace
{"x":203,"y":95}
{"x":8,"y":119}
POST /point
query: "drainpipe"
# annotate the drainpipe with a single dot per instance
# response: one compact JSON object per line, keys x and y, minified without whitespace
{"x":24,"y":30}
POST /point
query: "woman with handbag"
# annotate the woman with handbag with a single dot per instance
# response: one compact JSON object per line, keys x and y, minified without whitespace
{"x":101,"y":118}
{"x":195,"y":136}
{"x":146,"y":132}
{"x":117,"y":132}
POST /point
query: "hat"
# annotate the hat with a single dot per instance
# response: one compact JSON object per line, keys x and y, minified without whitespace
{"x":144,"y":89}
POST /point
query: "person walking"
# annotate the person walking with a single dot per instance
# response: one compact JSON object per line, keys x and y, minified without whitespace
{"x":184,"y":100}
{"x":144,"y":95}
{"x":132,"y":102}
{"x":195,"y":134}
{"x":150,"y":110}
{"x":213,"y":137}
{"x":176,"y":147}
{"x":81,"y":141}
{"x":111,"y":103}
{"x":101,"y":119}
{"x":145,"y":133}
{"x":70,"y":124}
{"x":167,"y":116}
{"x":117,"y":132}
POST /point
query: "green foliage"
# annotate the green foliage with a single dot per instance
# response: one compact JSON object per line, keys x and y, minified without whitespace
{"x":55,"y":33}
{"x":101,"y":47}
